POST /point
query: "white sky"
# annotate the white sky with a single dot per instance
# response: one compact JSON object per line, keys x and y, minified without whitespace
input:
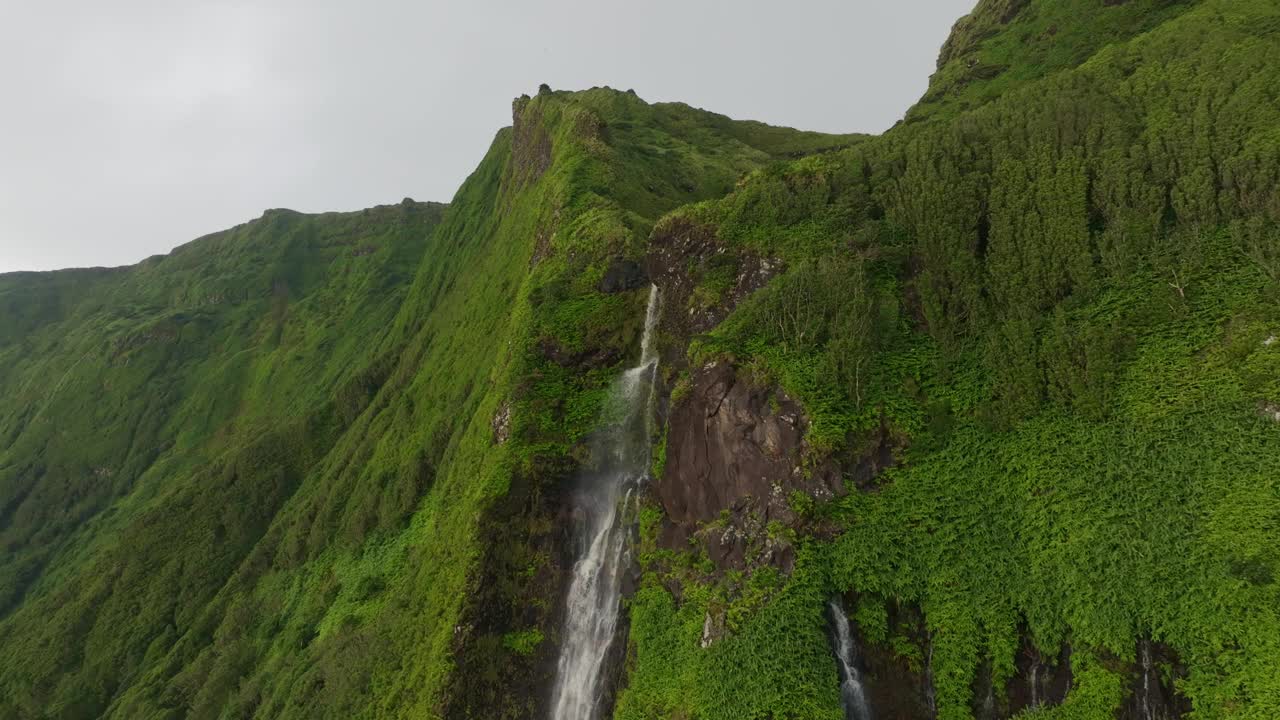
{"x":132,"y":126}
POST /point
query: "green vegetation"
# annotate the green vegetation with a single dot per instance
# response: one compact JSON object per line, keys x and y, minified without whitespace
{"x":1059,"y":301}
{"x":1005,"y":44}
{"x":257,"y":477}
{"x":310,"y":467}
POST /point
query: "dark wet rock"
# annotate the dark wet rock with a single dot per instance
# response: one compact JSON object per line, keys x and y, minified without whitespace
{"x":875,"y":455}
{"x":898,"y":686}
{"x":586,"y":359}
{"x":623,"y":275}
{"x":681,"y":253}
{"x":1041,"y":680}
{"x":1151,"y":695}
{"x":984,"y":704}
{"x":734,"y":453}
{"x":527,"y":529}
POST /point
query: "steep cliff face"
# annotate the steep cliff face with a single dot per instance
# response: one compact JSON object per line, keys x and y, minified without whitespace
{"x":973,"y":321}
{"x":734,"y":461}
{"x":1002,"y":378}
{"x":586,"y":292}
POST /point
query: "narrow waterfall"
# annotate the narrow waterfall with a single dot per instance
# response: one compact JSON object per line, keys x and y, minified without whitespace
{"x":606,"y":510}
{"x":1035,"y":685}
{"x":852,"y":692}
{"x":1151,"y":699}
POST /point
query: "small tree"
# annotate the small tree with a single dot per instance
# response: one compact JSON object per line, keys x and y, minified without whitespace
{"x":851,"y":343}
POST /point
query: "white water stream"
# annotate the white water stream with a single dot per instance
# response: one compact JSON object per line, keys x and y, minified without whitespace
{"x":606,"y":510}
{"x":852,"y":693}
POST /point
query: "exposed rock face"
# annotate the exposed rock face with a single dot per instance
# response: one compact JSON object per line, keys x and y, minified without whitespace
{"x":527,"y":529}
{"x":623,"y":275}
{"x":680,"y":254}
{"x":896,"y":686}
{"x":901,"y":686}
{"x":712,"y":628}
{"x":501,"y":423}
{"x":1270,"y":411}
{"x":1041,"y":679}
{"x":734,"y":453}
{"x":1151,"y":696}
{"x":971,"y":29}
{"x":530,"y":144}
{"x":734,"y":450}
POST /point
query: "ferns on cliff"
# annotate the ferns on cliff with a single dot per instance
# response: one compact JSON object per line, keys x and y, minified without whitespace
{"x":1086,"y":286}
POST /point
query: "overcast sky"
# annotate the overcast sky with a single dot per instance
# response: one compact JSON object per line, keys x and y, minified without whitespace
{"x":129,"y":127}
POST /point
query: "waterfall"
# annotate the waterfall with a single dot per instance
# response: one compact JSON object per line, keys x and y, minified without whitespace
{"x":852,"y":692}
{"x":989,"y":702}
{"x":1147,"y":714}
{"x":1035,"y":684}
{"x":1151,"y":701}
{"x":605,"y":510}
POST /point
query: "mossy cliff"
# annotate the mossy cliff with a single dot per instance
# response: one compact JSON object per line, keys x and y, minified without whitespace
{"x":307,"y":467}
{"x":1005,"y":377}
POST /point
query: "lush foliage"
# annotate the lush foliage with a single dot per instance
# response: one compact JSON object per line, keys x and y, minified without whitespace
{"x":298,"y":468}
{"x":254,"y":478}
{"x":1061,"y":302}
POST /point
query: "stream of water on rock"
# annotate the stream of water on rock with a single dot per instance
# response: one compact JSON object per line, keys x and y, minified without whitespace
{"x":852,"y":693}
{"x":605,"y":513}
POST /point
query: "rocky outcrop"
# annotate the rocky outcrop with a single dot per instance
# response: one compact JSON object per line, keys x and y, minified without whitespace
{"x":734,"y":459}
{"x":1041,"y":679}
{"x":1152,"y":695}
{"x":501,"y":423}
{"x":899,"y":673}
{"x":1270,"y":411}
{"x":898,"y":685}
{"x":527,"y":557}
{"x":530,"y":142}
{"x":623,"y":275}
{"x":682,"y":253}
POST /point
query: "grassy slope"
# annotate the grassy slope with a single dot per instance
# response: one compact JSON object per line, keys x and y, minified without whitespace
{"x":1070,"y":286}
{"x":130,"y":393}
{"x":1005,"y":44}
{"x":108,"y":370}
{"x":244,"y":479}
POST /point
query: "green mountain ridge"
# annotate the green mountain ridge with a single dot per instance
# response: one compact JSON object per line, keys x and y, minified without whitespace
{"x":320,"y":465}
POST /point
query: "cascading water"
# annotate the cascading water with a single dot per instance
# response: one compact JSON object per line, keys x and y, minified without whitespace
{"x":1151,"y":699}
{"x":1034,"y":682}
{"x":852,"y":692}
{"x":606,"y":509}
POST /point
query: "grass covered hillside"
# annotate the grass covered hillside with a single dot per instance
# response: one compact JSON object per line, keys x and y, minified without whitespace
{"x":251,"y":478}
{"x":1005,"y":380}
{"x":1055,"y":304}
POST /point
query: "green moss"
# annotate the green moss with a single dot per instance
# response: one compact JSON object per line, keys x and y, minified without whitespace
{"x":1067,"y":336}
{"x":281,"y":439}
{"x":261,"y":476}
{"x":524,"y":642}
